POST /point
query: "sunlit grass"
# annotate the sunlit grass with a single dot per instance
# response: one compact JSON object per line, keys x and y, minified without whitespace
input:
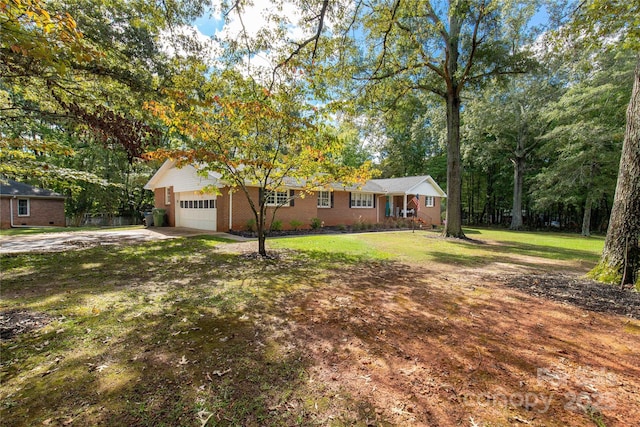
{"x":483,"y":246}
{"x":136,"y":329}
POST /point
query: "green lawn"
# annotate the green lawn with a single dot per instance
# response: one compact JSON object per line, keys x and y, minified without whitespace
{"x":172,"y":332}
{"x":483,"y":246}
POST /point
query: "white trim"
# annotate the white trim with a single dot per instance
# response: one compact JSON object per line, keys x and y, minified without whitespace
{"x":167,"y":195}
{"x":370,"y":197}
{"x":328,"y":200}
{"x":280,"y":198}
{"x":426,"y":201}
{"x":28,"y":207}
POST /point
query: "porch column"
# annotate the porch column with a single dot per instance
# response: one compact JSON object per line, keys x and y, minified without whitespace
{"x":404,"y":204}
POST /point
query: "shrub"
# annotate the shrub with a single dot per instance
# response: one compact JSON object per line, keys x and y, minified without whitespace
{"x":341,"y":227}
{"x":251,"y":225}
{"x":315,"y":223}
{"x":295,"y":224}
{"x":276,"y":225}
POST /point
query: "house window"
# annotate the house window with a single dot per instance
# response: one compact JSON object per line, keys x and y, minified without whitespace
{"x":360,"y":200}
{"x":23,"y":207}
{"x":277,"y":198}
{"x":198,"y":204}
{"x":167,"y":195}
{"x":324,"y":199}
{"x":429,"y":201}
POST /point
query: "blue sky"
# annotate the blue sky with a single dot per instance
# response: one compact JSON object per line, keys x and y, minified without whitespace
{"x":209,"y":24}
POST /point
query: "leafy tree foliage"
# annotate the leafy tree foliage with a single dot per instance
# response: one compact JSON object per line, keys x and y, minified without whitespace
{"x":75,"y":74}
{"x":253,"y":137}
{"x":506,"y":122}
{"x":583,"y":144}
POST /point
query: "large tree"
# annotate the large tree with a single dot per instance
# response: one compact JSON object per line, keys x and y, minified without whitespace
{"x":252,"y":137}
{"x":73,"y":79}
{"x":443,"y":48}
{"x":506,"y":119}
{"x":393,"y":47}
{"x":602,"y":23}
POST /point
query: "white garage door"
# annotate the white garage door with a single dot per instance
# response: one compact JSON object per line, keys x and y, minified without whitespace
{"x":196,"y":211}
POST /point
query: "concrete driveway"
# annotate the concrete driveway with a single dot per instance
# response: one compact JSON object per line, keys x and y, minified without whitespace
{"x":72,"y":240}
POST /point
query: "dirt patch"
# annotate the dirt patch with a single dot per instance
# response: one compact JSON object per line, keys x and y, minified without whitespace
{"x":581,"y":292}
{"x":15,"y":322}
{"x":423,"y":348}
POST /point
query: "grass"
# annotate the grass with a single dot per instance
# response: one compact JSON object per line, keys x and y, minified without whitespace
{"x":170,"y":332}
{"x":484,"y":246}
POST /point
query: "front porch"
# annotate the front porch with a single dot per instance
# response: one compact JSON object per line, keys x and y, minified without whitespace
{"x":413,"y":207}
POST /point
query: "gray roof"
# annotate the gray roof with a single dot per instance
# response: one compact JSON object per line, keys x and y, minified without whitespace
{"x":400,"y":185}
{"x":367,"y":187}
{"x":9,"y":187}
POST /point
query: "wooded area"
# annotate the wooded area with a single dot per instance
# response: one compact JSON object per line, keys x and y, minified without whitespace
{"x":521,"y":108}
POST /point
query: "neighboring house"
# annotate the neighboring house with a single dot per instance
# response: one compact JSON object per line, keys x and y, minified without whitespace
{"x":179,"y":191}
{"x":22,"y":205}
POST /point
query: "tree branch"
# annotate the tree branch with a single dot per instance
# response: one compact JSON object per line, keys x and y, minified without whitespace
{"x":474,"y":45}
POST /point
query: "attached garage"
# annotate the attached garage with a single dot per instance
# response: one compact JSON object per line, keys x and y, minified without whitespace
{"x":179,"y":192}
{"x":195,"y":210}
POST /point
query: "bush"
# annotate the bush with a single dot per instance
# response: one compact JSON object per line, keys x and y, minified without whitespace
{"x":251,"y":225}
{"x":295,"y":224}
{"x":341,"y":227}
{"x":315,"y":223}
{"x":276,"y":225}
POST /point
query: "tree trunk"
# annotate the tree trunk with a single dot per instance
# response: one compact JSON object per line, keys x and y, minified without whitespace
{"x":261,"y":225}
{"x":624,"y":223}
{"x":453,"y":227}
{"x":586,"y":219}
{"x":518,"y":180}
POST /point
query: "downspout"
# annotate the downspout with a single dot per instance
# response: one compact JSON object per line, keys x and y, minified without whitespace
{"x":230,"y":209}
{"x":11,"y":215}
{"x":11,"y":210}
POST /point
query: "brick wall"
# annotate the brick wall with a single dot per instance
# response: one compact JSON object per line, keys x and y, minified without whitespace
{"x":161,"y":203}
{"x":303,"y":210}
{"x":342,"y":214}
{"x":42,"y":212}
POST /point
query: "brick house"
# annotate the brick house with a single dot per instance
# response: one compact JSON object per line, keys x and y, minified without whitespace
{"x":179,"y":191}
{"x":22,"y":205}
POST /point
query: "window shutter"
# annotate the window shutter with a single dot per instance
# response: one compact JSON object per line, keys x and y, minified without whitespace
{"x":375,"y":197}
{"x":350,"y":199}
{"x":292,"y":201}
{"x":332,"y":199}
